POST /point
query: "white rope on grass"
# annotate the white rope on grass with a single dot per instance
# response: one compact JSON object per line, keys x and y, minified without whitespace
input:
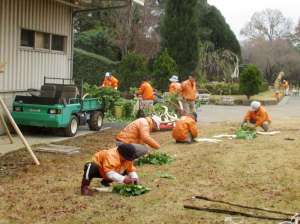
{"x":268,"y":133}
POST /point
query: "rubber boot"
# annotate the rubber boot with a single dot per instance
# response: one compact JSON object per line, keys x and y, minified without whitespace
{"x":84,"y":187}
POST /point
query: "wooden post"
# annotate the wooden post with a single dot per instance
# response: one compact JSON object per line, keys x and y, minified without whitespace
{"x":6,"y":129}
{"x":19,"y":132}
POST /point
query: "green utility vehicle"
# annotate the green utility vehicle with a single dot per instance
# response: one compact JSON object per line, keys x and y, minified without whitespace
{"x":59,"y":104}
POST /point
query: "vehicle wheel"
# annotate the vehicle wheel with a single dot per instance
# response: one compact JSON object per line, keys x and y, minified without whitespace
{"x":96,"y":121}
{"x":72,"y":127}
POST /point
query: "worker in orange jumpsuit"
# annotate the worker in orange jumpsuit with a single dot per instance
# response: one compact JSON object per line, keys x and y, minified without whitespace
{"x":175,"y":86}
{"x":257,"y":116}
{"x":189,"y":94}
{"x":186,"y":128}
{"x":137,"y":133}
{"x":110,"y":165}
{"x":109,"y":81}
{"x":286,"y":86}
{"x":146,"y":91}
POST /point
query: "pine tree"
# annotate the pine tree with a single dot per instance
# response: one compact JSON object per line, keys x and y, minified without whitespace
{"x":180,"y":33}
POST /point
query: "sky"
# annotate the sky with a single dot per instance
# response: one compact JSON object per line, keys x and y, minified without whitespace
{"x":238,"y":12}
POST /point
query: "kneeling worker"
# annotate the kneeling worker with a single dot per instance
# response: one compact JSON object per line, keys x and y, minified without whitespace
{"x":257,"y":116}
{"x":110,"y":165}
{"x":186,"y":128}
{"x":137,"y":133}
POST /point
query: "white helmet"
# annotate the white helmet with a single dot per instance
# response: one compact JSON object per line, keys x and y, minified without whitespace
{"x":255,"y":105}
{"x":156,"y":119}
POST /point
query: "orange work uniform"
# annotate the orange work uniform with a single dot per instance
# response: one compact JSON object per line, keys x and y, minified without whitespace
{"x":286,"y":85}
{"x":183,"y":126}
{"x":146,"y":91}
{"x":175,"y":87}
{"x":138,"y":132}
{"x":113,"y":82}
{"x":188,"y":90}
{"x":110,"y":160}
{"x":259,"y":117}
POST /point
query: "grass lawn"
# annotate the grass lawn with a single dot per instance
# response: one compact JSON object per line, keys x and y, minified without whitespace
{"x":267,"y":95}
{"x":262,"y":172}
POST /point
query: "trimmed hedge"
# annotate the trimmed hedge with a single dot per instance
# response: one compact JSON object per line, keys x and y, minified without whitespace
{"x":91,"y":67}
{"x":227,"y":88}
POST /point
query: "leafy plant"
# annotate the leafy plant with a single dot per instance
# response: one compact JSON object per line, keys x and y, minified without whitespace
{"x":244,"y":133}
{"x":130,"y":190}
{"x":132,"y":90}
{"x":156,"y":158}
{"x":168,"y":176}
{"x":111,"y":118}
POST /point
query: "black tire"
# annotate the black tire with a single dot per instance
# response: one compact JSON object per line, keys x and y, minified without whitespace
{"x":71,"y":129}
{"x":96,"y":121}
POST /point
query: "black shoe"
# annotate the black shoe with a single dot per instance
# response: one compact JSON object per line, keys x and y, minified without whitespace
{"x":106,"y":183}
{"x":180,"y":142}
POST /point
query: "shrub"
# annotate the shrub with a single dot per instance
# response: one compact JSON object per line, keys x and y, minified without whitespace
{"x":97,"y":42}
{"x":226,"y":88}
{"x":264,"y":87}
{"x":131,"y":71}
{"x":163,"y":69}
{"x":250,"y":81}
{"x":91,"y":67}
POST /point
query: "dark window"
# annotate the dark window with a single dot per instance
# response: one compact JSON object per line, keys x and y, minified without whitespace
{"x":57,"y":43}
{"x":27,"y":38}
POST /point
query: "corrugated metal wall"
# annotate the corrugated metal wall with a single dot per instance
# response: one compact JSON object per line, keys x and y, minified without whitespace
{"x":25,"y":68}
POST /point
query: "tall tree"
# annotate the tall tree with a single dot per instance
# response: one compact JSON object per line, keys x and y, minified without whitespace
{"x":180,"y":34}
{"x":268,"y":24}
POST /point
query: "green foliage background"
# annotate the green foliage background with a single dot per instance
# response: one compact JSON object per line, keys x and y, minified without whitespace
{"x":132,"y":69}
{"x":91,"y":67}
{"x":163,"y":69}
{"x":180,"y":35}
{"x":250,"y":81}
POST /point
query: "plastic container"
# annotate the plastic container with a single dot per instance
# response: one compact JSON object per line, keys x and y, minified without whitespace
{"x":118,"y":111}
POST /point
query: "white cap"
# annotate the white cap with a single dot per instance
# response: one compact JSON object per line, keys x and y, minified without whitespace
{"x":284,"y":81}
{"x":107,"y":74}
{"x":156,"y":119}
{"x":255,"y":105}
{"x":174,"y":78}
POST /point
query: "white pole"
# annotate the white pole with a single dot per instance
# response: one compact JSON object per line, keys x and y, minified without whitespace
{"x":19,"y":132}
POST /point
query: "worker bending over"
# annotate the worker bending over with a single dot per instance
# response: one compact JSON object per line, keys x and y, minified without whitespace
{"x":110,"y":165}
{"x":186,"y":128}
{"x":175,"y":86}
{"x":257,"y":116}
{"x":109,"y":81}
{"x":189,"y":94}
{"x":286,"y":86}
{"x":146,"y":91}
{"x":137,"y":133}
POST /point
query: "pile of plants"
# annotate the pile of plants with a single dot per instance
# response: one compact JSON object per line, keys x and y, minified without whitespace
{"x":130,"y":190}
{"x":244,"y":133}
{"x":106,"y":95}
{"x":155,"y":158}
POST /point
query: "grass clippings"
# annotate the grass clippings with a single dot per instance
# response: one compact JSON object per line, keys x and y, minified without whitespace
{"x":261,"y":172}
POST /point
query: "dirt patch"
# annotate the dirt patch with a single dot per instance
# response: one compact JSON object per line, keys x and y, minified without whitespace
{"x":262,"y":172}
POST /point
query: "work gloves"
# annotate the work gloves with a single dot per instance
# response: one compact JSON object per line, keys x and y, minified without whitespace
{"x":127,"y":181}
{"x":135,"y":181}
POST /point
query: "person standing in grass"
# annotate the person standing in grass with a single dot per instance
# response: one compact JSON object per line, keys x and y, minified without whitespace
{"x":109,"y":81}
{"x":146,"y":91}
{"x":137,"y":133}
{"x":286,"y":86}
{"x":189,"y":94}
{"x":110,"y":165}
{"x":186,"y":128}
{"x":257,"y":116}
